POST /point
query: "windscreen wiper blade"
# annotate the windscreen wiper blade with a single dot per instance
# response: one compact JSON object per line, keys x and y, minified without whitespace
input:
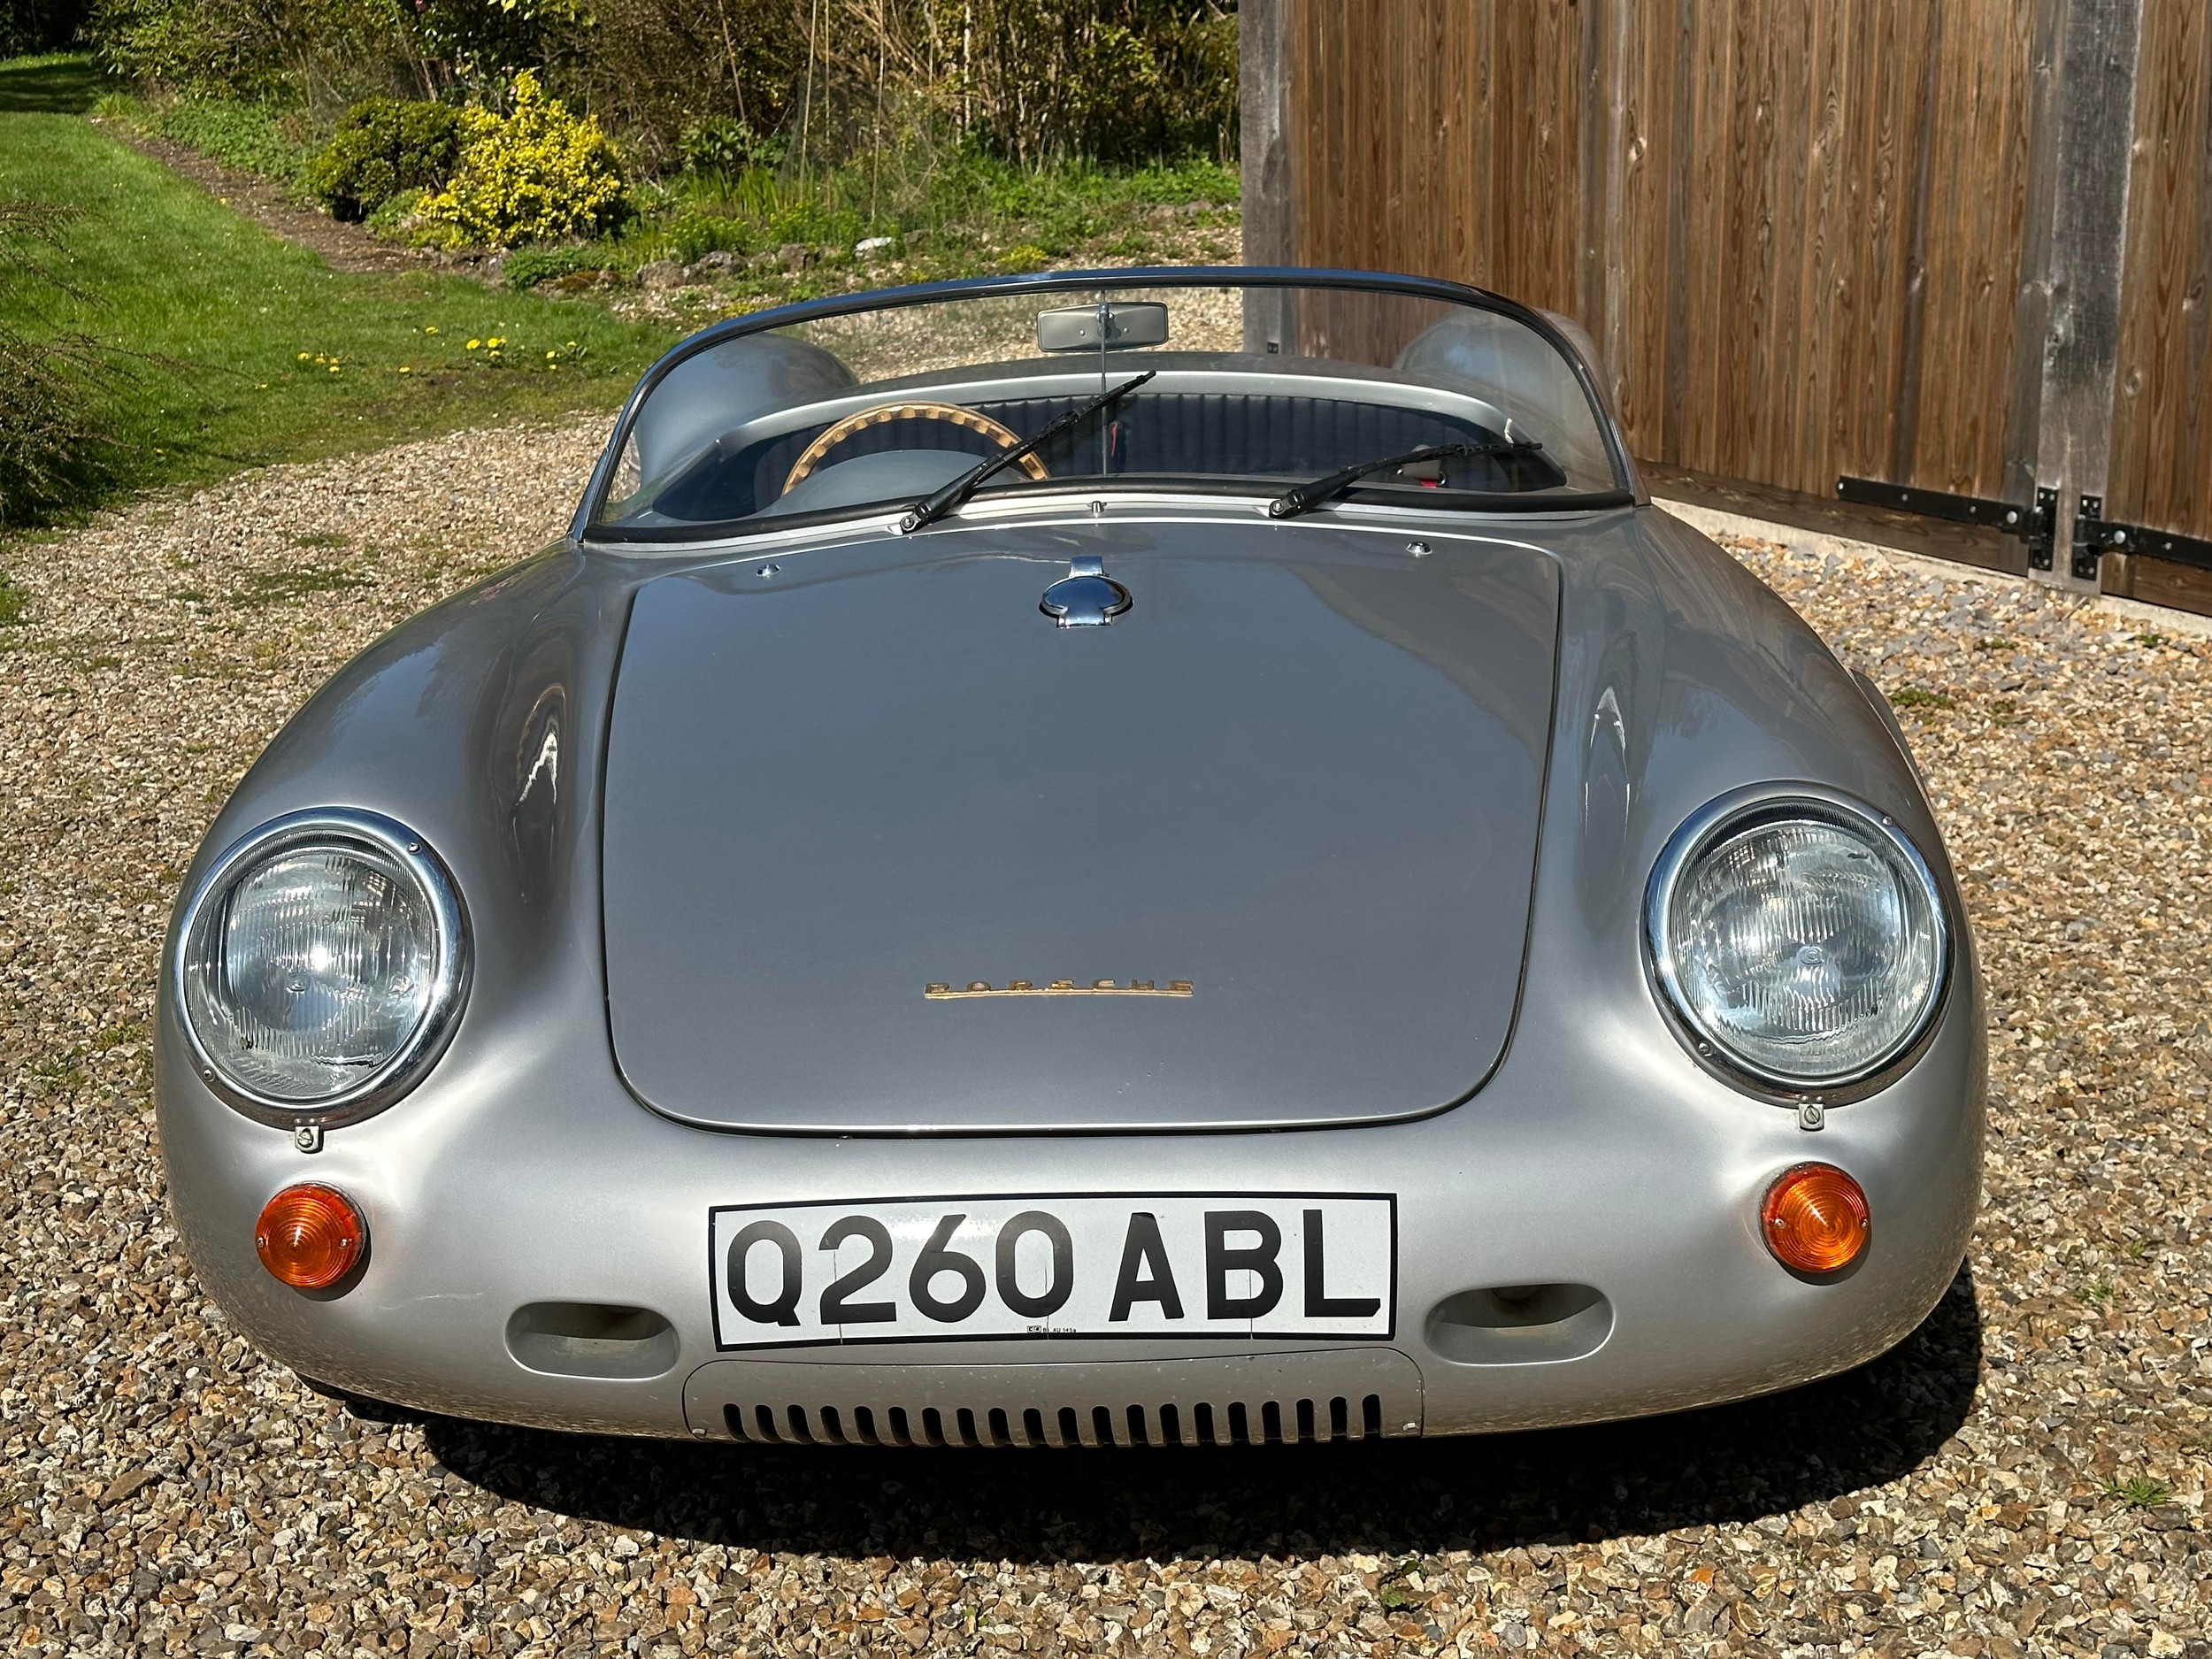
{"x":955,"y":495}
{"x":1305,"y":498}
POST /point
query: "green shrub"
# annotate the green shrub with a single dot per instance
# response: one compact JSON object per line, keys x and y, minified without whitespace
{"x":532,"y":265}
{"x":537,"y":174}
{"x":382,"y":147}
{"x":725,"y":143}
{"x":53,"y":443}
{"x":206,"y":48}
{"x":692,"y":235}
{"x":250,"y":136}
{"x":396,"y":214}
{"x":37,"y":26}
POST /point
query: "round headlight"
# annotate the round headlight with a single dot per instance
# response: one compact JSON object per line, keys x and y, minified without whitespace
{"x":1803,"y":937}
{"x":322,"y":960}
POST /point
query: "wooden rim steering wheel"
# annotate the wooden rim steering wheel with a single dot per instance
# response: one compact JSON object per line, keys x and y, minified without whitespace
{"x":860,"y":420}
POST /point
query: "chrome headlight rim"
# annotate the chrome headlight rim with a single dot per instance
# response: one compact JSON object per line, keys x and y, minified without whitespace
{"x":1747,"y":809}
{"x":334,"y":826}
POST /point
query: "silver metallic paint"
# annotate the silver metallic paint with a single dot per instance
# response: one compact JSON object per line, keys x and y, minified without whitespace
{"x":1597,"y":1153}
{"x":1303,"y":772}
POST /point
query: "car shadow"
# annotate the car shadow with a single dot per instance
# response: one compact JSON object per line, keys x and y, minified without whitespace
{"x":1719,"y":1465}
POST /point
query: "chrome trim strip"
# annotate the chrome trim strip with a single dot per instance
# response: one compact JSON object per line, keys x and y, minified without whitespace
{"x":449,"y":986}
{"x":940,"y":991}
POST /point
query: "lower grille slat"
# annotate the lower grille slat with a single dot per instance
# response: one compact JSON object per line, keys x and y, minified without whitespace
{"x":1320,"y":1398}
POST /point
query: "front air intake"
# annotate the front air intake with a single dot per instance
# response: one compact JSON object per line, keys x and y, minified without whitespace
{"x":1276,"y":1422}
{"x":1283,"y":1398}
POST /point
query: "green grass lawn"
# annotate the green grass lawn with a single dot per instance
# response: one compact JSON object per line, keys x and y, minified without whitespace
{"x":239,"y":349}
{"x":55,"y":83}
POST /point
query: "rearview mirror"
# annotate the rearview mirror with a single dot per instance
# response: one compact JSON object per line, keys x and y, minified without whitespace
{"x":1109,"y":325}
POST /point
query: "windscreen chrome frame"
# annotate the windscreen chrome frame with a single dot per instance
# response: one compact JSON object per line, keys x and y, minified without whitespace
{"x":581,"y":525}
{"x":1766,"y":803}
{"x":448,"y":989}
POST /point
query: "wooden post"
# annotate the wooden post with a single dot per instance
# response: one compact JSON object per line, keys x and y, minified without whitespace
{"x":2072,"y":258}
{"x":1263,"y":71}
{"x":1604,"y":295}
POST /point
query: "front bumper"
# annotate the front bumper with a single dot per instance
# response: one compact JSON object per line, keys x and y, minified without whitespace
{"x":1627,"y":1180}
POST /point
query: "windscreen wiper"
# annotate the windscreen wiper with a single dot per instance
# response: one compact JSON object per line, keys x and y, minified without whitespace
{"x":955,"y":495}
{"x":1305,"y":498}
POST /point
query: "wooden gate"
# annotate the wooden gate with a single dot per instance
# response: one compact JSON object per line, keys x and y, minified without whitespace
{"x":1896,"y":240}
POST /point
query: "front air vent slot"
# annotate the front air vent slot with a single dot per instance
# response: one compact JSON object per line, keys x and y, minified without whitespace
{"x":793,"y":1423}
{"x":1274,"y":1399}
{"x":1520,"y":1325}
{"x":591,"y":1339}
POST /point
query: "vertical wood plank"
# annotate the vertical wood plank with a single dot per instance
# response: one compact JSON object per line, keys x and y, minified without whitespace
{"x":2032,"y":304}
{"x":1814,"y":395}
{"x":1263,"y":97}
{"x":1704,"y":384}
{"x":1674,"y":445}
{"x":1642,"y":174}
{"x":1904,"y":387}
{"x":1593,"y":238}
{"x":2161,"y":459}
{"x":2095,"y":99}
{"x":1791,"y":89}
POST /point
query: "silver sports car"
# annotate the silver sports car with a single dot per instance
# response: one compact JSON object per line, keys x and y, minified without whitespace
{"x":1135,"y":856}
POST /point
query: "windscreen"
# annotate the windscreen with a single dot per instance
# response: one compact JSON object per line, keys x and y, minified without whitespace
{"x":1222,"y":387}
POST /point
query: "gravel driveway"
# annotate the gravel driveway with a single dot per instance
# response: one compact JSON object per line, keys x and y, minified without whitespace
{"x":2024,"y":1475}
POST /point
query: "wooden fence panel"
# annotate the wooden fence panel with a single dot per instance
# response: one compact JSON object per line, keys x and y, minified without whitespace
{"x":1899,"y":240}
{"x":1811,"y":214}
{"x":1421,"y":128}
{"x":1975,"y":152}
{"x":2161,"y":443}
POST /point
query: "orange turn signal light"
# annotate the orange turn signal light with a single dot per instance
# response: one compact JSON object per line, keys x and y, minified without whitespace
{"x":311,"y":1236}
{"x":1814,"y":1218}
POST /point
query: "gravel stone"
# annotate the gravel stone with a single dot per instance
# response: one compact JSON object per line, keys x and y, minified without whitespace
{"x":2023,"y":1475}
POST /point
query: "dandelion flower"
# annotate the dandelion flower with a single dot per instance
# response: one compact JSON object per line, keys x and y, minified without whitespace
{"x":403,"y":369}
{"x":473,"y":344}
{"x":302,"y":357}
{"x":430,"y":328}
{"x":333,"y":368}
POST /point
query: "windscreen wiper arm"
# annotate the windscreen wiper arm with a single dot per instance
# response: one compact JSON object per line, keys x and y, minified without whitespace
{"x":1305,"y":498}
{"x":955,"y":495}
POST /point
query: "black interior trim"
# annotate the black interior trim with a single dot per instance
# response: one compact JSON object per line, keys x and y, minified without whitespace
{"x":1207,"y":434}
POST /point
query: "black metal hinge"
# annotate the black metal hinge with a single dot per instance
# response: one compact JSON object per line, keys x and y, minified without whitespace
{"x":2037,"y":526}
{"x":2094,"y":536}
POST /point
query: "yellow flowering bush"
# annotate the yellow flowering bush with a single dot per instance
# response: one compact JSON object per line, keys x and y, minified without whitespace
{"x":536,"y":174}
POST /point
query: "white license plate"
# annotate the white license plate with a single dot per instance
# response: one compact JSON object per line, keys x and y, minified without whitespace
{"x":1118,"y":1264}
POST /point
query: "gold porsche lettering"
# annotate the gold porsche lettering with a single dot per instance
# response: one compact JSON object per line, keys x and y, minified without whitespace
{"x":945,"y":991}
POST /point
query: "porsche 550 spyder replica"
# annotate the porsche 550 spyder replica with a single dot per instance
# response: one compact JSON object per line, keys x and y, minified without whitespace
{"x":1123,"y":857}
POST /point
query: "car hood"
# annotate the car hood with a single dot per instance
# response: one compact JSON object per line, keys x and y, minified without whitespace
{"x":1299,"y":776}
